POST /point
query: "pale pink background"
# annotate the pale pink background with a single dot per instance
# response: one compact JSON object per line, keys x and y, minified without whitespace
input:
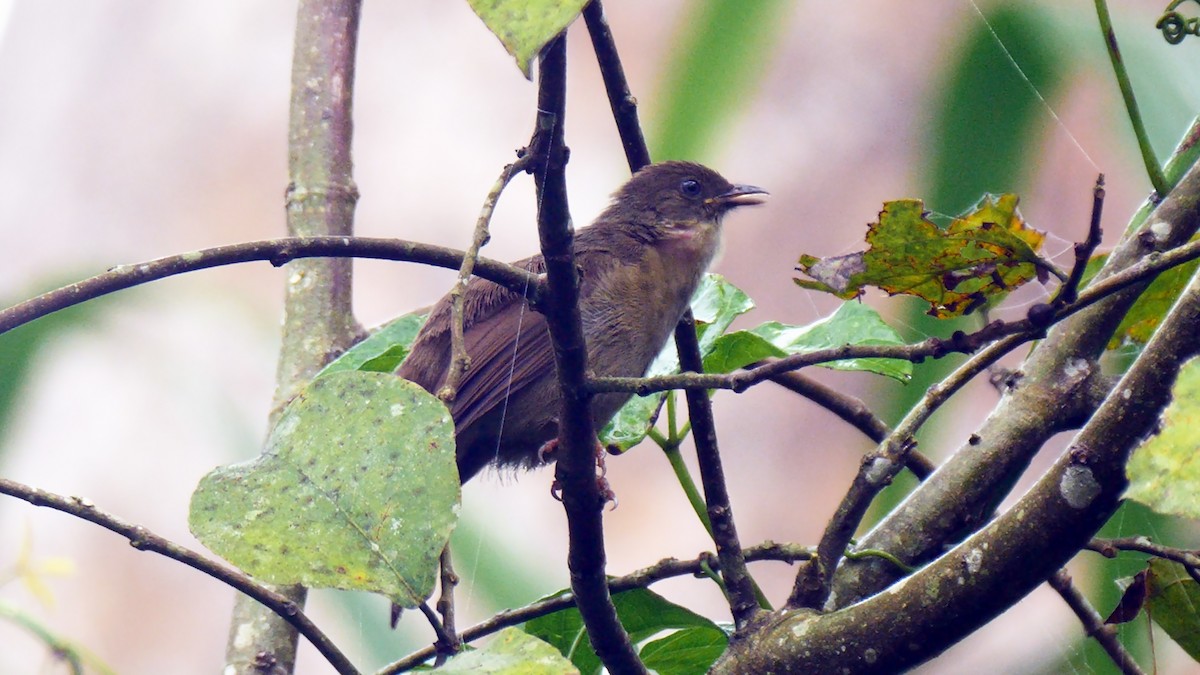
{"x":132,"y":130}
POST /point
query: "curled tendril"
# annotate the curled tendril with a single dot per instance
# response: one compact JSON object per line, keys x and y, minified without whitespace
{"x":1175,"y":26}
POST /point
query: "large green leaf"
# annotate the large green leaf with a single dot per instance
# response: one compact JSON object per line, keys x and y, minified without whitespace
{"x":852,"y":324}
{"x":983,"y":254}
{"x":643,"y":613}
{"x":357,"y":489}
{"x":1164,"y":472}
{"x":525,"y":26}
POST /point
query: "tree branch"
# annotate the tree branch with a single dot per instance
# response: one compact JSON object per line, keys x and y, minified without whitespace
{"x":575,"y":470}
{"x":994,"y":568}
{"x":620,"y":98}
{"x":1058,"y":387}
{"x":1131,"y":277}
{"x":739,"y":585}
{"x":276,"y":251}
{"x":144,"y":540}
{"x":1093,"y":623}
{"x":854,"y":412}
{"x":318,"y":322}
{"x":459,"y":359}
{"x":664,"y":569}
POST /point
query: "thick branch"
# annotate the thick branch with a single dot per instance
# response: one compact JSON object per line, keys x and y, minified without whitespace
{"x":986,"y":574}
{"x":144,"y":540}
{"x":1058,"y":388}
{"x":576,"y":467}
{"x":318,"y":322}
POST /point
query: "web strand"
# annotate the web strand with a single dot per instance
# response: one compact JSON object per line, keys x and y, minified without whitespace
{"x":1032,"y":87}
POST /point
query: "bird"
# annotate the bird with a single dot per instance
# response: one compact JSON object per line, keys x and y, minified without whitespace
{"x":640,"y":262}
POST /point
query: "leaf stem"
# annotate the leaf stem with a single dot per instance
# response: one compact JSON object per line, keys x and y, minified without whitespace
{"x":1153,"y":168}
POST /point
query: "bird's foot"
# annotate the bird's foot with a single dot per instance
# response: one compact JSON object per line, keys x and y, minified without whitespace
{"x":548,"y":452}
{"x":602,"y":485}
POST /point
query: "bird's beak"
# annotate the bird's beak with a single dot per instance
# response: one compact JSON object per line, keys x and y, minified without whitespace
{"x":739,"y":195}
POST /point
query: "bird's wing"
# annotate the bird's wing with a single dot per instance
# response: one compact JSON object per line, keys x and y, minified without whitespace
{"x":509,"y":349}
{"x":500,"y":365}
{"x":509,"y":344}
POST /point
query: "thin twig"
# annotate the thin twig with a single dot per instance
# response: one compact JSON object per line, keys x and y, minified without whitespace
{"x":444,"y":639}
{"x":668,"y":568}
{"x":276,"y":251}
{"x":1109,"y":548}
{"x":460,"y":361}
{"x":1024,"y":329}
{"x":575,"y":470}
{"x":445,"y":604}
{"x":1069,"y":291}
{"x":145,"y":540}
{"x":1093,"y":623}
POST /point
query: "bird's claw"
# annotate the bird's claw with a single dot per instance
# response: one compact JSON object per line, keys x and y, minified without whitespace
{"x":549,"y":449}
{"x":607,"y":495}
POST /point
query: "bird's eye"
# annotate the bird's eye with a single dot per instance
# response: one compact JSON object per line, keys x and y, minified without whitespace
{"x":690,"y":187}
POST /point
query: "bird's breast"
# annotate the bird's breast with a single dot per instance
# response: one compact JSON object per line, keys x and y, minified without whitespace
{"x":634,"y":306}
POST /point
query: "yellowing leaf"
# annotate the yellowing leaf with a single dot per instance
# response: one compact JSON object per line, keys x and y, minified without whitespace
{"x":982,"y":254}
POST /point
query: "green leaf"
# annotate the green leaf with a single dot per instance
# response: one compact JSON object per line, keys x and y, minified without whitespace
{"x":1172,"y":598}
{"x":852,"y":324}
{"x":357,"y":489}
{"x":684,"y":652}
{"x":643,"y":613}
{"x":511,"y":652}
{"x":525,"y":26}
{"x":737,"y":350}
{"x":716,"y":304}
{"x":1164,"y":472}
{"x":981,"y":255}
{"x":1152,"y":305}
{"x":383,"y":350}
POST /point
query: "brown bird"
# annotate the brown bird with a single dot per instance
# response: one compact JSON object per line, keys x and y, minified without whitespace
{"x":640,"y":263}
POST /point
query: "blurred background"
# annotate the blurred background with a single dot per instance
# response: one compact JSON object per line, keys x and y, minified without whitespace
{"x":133,"y":130}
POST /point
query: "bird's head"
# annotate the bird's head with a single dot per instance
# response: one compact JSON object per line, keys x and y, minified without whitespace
{"x":678,"y":197}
